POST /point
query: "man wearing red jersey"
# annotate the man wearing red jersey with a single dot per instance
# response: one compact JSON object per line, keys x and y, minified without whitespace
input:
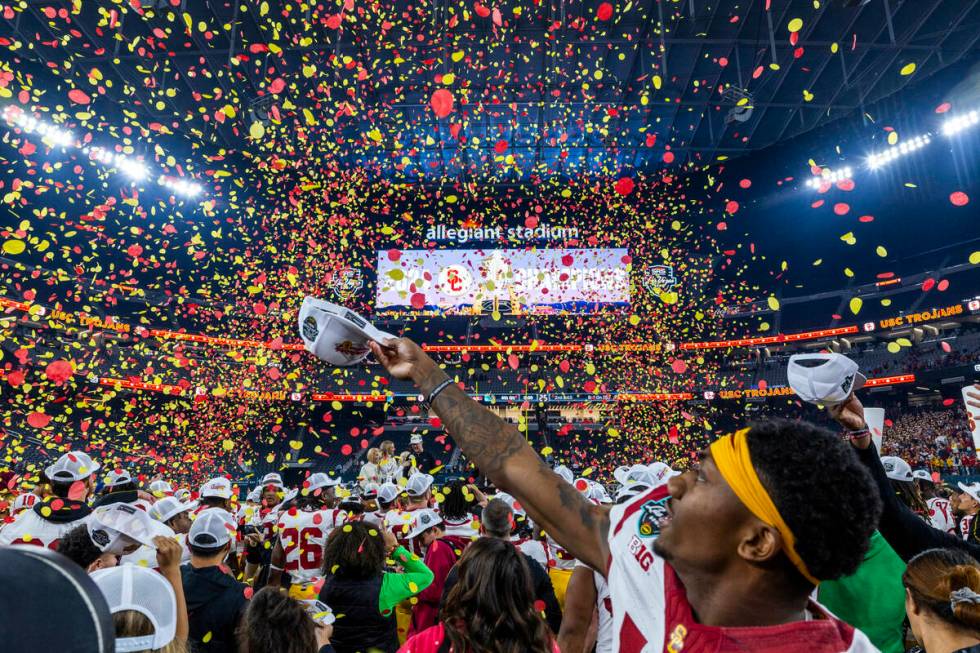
{"x":719,"y":559}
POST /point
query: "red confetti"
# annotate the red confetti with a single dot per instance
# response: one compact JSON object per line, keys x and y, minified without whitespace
{"x":841,"y":208}
{"x":604,"y":12}
{"x":418,"y":301}
{"x":78,"y":96}
{"x":625,"y":186}
{"x":58,"y":371}
{"x":38,"y":420}
{"x":959,"y":198}
{"x":442,"y":103}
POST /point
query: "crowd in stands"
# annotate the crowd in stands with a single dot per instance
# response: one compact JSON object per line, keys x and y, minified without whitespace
{"x":937,"y":440}
{"x":785,"y":536}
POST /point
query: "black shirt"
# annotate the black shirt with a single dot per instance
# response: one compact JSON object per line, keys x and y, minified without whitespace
{"x":215,"y":605}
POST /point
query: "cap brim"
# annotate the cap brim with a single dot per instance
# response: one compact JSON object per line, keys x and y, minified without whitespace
{"x":859,"y":381}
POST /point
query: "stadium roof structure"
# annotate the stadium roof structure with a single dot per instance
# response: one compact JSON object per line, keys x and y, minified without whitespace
{"x":544,"y":88}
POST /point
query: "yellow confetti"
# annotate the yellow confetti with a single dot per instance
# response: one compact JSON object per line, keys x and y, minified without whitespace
{"x":856,"y":304}
{"x":14,"y":246}
{"x":795,"y":25}
{"x":907,"y":69}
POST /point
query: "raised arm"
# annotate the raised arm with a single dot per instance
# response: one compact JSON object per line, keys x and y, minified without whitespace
{"x":501,"y":452}
{"x":904,"y":531}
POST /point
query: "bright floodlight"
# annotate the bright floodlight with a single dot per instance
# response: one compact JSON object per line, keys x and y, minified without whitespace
{"x":878,"y":159}
{"x":828,"y":176}
{"x":956,"y":124}
{"x":181,"y":186}
{"x":132,"y":168}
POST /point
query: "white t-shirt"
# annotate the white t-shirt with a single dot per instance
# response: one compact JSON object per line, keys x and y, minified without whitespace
{"x":941,"y":515}
{"x":535,"y":549}
{"x":651,"y":613}
{"x":562,"y":558}
{"x":303,"y":534}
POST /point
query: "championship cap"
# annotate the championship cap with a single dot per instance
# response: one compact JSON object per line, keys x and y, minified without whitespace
{"x":72,"y":466}
{"x":212,"y":529}
{"x":116,"y":477}
{"x":662,"y":472}
{"x":896,"y":469}
{"x":318,"y":481}
{"x":131,"y":587}
{"x":334,"y":334}
{"x":168,"y":508}
{"x":973,"y":489}
{"x":388,"y":492}
{"x":219,"y":486}
{"x":922,"y":475}
{"x":370,"y":491}
{"x":423,"y":520}
{"x":823,"y":378}
{"x":627,"y":492}
{"x":415,"y":439}
{"x":272,"y":478}
{"x":511,"y":501}
{"x":565,"y":473}
{"x":161,"y":488}
{"x":48,"y":584}
{"x":119,"y":526}
{"x":183,"y":494}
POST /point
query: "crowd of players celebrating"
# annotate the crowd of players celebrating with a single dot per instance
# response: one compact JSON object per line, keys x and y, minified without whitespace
{"x":786,"y":537}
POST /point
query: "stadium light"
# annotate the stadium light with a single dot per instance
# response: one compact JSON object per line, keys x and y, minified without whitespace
{"x":828,"y":176}
{"x":956,"y":124}
{"x":132,"y":168}
{"x":885,"y":157}
{"x":180,"y":186}
{"x":54,"y":135}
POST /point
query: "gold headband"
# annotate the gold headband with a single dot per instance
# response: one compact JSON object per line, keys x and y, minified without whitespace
{"x":731,"y":456}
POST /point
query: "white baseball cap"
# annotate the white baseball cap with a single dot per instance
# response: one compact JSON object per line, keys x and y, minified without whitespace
{"x":183,"y":494}
{"x":415,"y":439}
{"x":119,"y":526}
{"x":272,"y":478}
{"x":922,"y":475}
{"x":72,"y":466}
{"x":219,"y":486}
{"x":896,"y":469}
{"x":388,"y":492}
{"x":167,"y":508}
{"x":130,"y":587}
{"x":630,"y":491}
{"x":662,"y":472}
{"x":370,"y":490}
{"x":318,"y":481}
{"x":418,"y":483}
{"x":823,"y":378}
{"x":161,"y":488}
{"x":973,"y":489}
{"x":116,"y":477}
{"x":620,"y":474}
{"x":511,"y":501}
{"x":212,"y":529}
{"x":334,"y":334}
{"x":423,"y":520}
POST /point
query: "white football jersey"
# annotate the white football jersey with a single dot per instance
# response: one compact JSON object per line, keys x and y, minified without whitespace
{"x":941,"y":515}
{"x":468,"y":527}
{"x":533,"y":548}
{"x":651,"y":613}
{"x":303,"y":534}
{"x":30,"y":528}
{"x":377,"y":518}
{"x":558,"y":557}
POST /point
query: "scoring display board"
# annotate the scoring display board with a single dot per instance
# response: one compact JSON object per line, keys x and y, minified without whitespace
{"x":534,"y":280}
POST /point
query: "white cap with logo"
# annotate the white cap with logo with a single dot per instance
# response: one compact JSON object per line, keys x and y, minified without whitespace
{"x":823,"y":378}
{"x":334,"y":334}
{"x":130,"y":587}
{"x":973,"y":489}
{"x":119,"y":526}
{"x":415,"y":439}
{"x":219,"y":487}
{"x":896,"y":469}
{"x":161,"y":488}
{"x":72,"y":466}
{"x":272,"y":478}
{"x":423,"y":520}
{"x":922,"y":475}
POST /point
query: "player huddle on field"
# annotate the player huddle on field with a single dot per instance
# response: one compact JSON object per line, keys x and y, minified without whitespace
{"x":786,"y":537}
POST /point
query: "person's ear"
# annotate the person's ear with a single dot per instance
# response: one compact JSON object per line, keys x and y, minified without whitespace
{"x":910,"y":605}
{"x":759,"y":542}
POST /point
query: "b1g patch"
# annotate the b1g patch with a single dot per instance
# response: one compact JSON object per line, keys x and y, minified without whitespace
{"x":650,"y":515}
